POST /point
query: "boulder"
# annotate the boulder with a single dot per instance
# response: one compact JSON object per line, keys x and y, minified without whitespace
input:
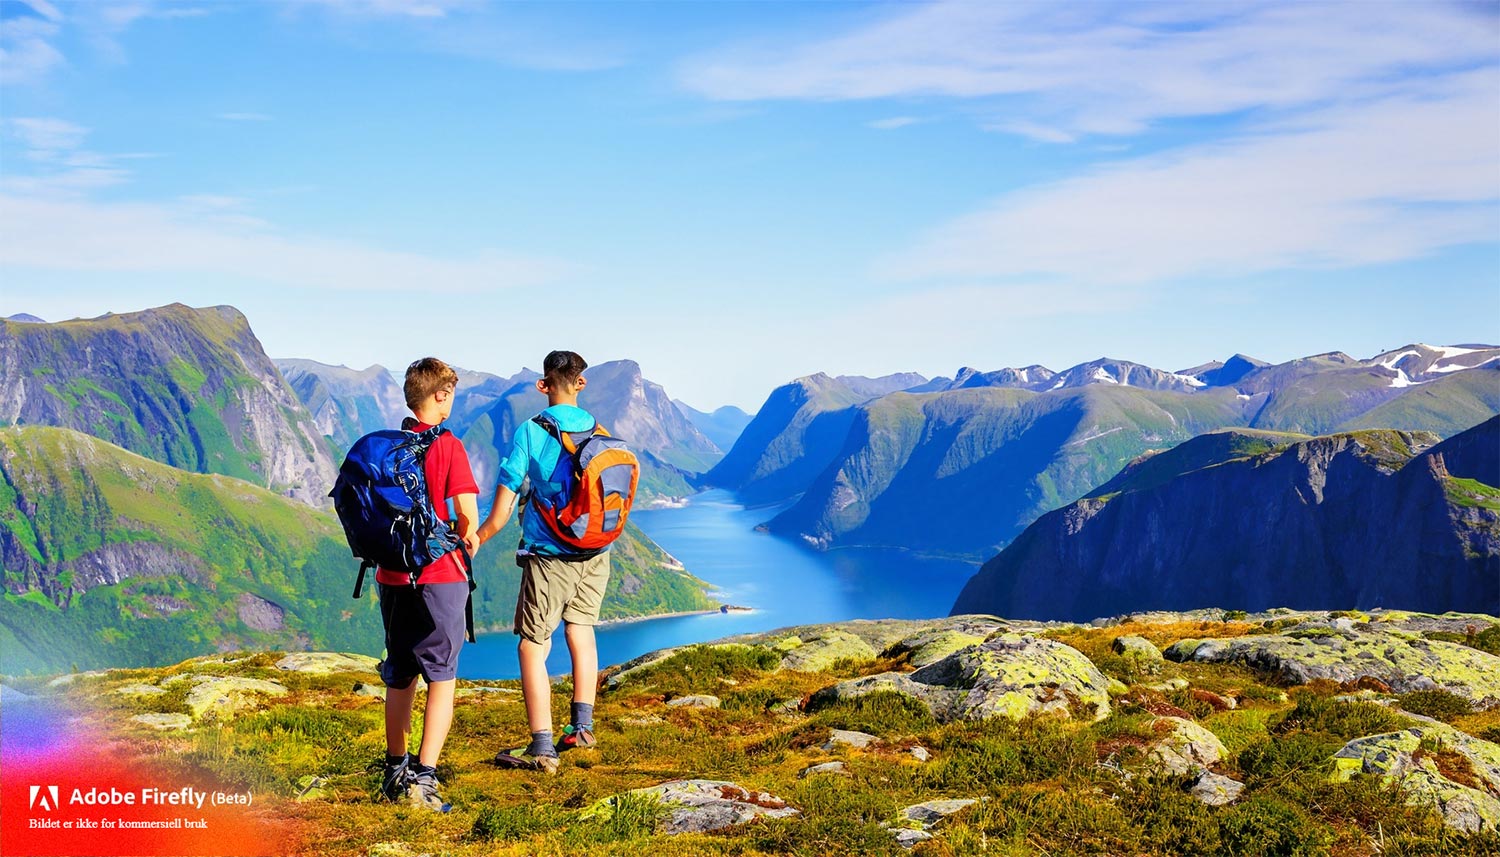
{"x":699,"y":806}
{"x":139,"y":690}
{"x":323,"y":663}
{"x":364,"y":689}
{"x":926,"y":815}
{"x":822,"y":649}
{"x":848,"y":738}
{"x":1141,"y":651}
{"x":1463,"y":786}
{"x":1185,"y":747}
{"x":920,"y":753}
{"x":933,"y":645}
{"x":1216,"y":789}
{"x":1400,"y":659}
{"x":218,"y":696}
{"x":698,"y":700}
{"x":1011,"y":675}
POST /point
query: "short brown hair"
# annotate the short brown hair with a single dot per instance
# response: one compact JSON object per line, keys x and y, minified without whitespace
{"x":562,"y":368}
{"x":425,"y":377}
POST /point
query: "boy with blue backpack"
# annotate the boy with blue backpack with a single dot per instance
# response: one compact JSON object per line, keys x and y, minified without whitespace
{"x":575,"y":484}
{"x":392,"y":497}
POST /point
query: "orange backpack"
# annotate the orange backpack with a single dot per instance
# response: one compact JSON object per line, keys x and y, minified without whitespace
{"x":599,"y":474}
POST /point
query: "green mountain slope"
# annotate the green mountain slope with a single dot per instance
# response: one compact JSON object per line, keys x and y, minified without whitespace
{"x":187,"y":387}
{"x":109,"y":558}
{"x":962,"y":472}
{"x":345,"y":403}
{"x":1248,"y":521}
{"x":1445,"y":405}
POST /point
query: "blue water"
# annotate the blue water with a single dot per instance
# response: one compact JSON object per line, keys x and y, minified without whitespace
{"x":784,"y":582}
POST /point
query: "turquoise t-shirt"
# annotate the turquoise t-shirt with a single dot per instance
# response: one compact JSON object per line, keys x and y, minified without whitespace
{"x":533,"y":455}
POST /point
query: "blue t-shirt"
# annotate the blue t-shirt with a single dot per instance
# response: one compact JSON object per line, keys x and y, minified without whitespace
{"x":533,"y":455}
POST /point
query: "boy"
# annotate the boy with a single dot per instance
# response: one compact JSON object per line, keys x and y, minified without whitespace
{"x":424,"y":624}
{"x":555,"y":586}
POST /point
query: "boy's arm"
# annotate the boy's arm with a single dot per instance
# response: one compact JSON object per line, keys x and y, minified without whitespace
{"x":468,"y":517}
{"x":505,"y":503}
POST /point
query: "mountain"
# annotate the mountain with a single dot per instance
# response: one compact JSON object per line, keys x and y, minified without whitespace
{"x":672,"y":450}
{"x":112,"y":559}
{"x":187,"y":387}
{"x":25,"y":318}
{"x":792,"y":438}
{"x":872,"y":387}
{"x":946,"y":472}
{"x":964,"y":471}
{"x":345,"y":403}
{"x":1248,"y":520}
{"x":723,"y":426}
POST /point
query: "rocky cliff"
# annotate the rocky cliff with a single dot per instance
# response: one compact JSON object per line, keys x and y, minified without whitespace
{"x":187,"y":387}
{"x":1250,"y":520}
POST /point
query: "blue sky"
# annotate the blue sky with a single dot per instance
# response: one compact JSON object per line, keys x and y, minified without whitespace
{"x":736,"y":194}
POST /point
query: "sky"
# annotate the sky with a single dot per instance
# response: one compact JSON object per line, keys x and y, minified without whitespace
{"x":736,"y":194}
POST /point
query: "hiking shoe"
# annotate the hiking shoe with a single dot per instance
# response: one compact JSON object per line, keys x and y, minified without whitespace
{"x":422,"y":790}
{"x":577,"y":738}
{"x":395,"y":777}
{"x":519,"y":758}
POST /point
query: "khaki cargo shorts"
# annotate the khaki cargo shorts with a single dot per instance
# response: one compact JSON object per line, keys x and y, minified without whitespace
{"x":555,"y":589}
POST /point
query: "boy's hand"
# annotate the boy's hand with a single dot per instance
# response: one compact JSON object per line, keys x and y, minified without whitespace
{"x":472,"y":541}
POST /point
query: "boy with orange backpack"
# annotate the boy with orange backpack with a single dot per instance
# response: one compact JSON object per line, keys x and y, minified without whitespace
{"x":576,"y":485}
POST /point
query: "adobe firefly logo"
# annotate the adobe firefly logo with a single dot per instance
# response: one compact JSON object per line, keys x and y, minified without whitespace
{"x":46,"y":798}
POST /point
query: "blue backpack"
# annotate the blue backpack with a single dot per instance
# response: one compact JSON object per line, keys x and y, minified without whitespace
{"x":381,"y":499}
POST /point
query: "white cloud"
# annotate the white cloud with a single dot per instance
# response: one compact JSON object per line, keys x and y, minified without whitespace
{"x":63,"y":166}
{"x":74,"y":235}
{"x":1353,"y":185}
{"x":1112,"y":68}
{"x":26,"y":51}
{"x":893,"y":123}
{"x":392,"y":8}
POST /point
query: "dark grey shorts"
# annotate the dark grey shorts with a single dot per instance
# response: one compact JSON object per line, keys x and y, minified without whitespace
{"x":424,"y":630}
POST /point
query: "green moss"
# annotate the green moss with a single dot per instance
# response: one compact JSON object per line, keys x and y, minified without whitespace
{"x":1345,"y":719}
{"x":702,"y":669}
{"x":882,"y":713}
{"x":1437,"y":704}
{"x":1268,"y":826}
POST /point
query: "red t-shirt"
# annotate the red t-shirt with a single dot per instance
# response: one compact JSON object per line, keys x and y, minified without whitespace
{"x":448,"y":475}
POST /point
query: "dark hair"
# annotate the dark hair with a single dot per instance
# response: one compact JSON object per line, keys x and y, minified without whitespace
{"x":562,"y":368}
{"x":425,"y":377}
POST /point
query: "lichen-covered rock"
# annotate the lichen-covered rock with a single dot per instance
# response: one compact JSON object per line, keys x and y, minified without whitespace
{"x":1216,"y":789}
{"x":1146,"y":656}
{"x":365,"y":689}
{"x":323,"y":663}
{"x":164,"y":722}
{"x":825,"y":768}
{"x":218,"y":695}
{"x":1011,"y":675}
{"x":823,"y":649}
{"x":848,"y":738}
{"x":1185,"y":746}
{"x":906,"y":837}
{"x":139,"y":690}
{"x":920,"y":753}
{"x":698,"y":700}
{"x":1401,"y":659}
{"x":699,"y":806}
{"x":926,"y":815}
{"x":1401,"y":757}
{"x":933,"y":645}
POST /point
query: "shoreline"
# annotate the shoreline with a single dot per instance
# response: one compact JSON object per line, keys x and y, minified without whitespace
{"x":710,"y":612}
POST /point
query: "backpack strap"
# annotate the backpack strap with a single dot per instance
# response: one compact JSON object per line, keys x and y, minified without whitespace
{"x":570,"y":440}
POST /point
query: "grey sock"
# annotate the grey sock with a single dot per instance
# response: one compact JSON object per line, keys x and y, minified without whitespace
{"x":541,"y":744}
{"x":583,"y":714}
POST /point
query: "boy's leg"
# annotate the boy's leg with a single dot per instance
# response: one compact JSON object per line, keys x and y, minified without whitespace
{"x":398,"y":703}
{"x":585,"y":654}
{"x":535,"y":686}
{"x":436,"y":720}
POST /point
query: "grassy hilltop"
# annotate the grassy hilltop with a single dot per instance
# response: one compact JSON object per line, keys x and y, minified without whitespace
{"x":1204,"y":752}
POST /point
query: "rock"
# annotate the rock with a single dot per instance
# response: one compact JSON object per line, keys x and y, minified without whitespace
{"x":1146,"y":656}
{"x":787,"y":706}
{"x":699,"y":806}
{"x":698,"y":700}
{"x":1185,"y":746}
{"x":375,"y":690}
{"x":616,"y":676}
{"x":1169,"y":685}
{"x":164,"y":721}
{"x":1401,"y":757}
{"x":259,"y":614}
{"x":848,"y":738}
{"x":908,"y":838}
{"x":927,"y":815}
{"x":1011,"y":675}
{"x":218,"y":696}
{"x":69,"y":678}
{"x":1400,"y":659}
{"x":1216,"y":789}
{"x":486,"y":691}
{"x":1117,"y":688}
{"x":311,"y":788}
{"x":921,"y":754}
{"x":825,"y":768}
{"x":323,"y":663}
{"x":139,"y":690}
{"x":821,"y":650}
{"x":929,"y":647}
